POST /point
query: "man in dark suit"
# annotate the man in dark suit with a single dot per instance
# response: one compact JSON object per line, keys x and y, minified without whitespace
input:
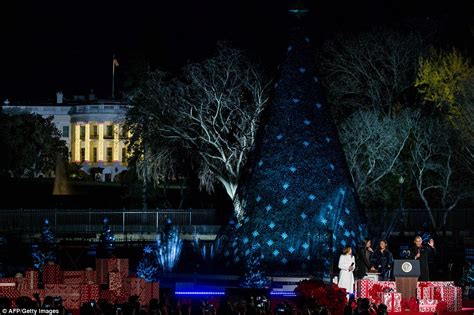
{"x":422,"y":253}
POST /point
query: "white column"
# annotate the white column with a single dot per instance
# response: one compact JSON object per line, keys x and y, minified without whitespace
{"x":76,"y":151}
{"x":87,"y":143}
{"x":115,"y":144}
{"x":100,"y":145}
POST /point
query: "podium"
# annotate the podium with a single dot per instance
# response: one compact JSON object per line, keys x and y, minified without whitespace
{"x":406,"y":272}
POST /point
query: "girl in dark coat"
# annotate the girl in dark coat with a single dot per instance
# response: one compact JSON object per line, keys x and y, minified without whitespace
{"x":382,"y":259}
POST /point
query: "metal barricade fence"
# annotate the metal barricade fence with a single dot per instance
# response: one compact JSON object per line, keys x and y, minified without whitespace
{"x":91,"y":221}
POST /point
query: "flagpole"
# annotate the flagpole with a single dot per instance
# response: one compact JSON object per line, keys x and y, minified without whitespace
{"x":113,"y":76}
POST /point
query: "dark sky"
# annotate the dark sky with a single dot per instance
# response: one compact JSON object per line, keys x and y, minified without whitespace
{"x":47,"y":46}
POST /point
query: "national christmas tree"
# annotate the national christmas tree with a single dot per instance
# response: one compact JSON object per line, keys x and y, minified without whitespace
{"x":300,"y":202}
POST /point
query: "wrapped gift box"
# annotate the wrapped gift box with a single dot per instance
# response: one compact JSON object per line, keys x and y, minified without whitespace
{"x":370,"y":289}
{"x":31,"y":279}
{"x":89,"y":292}
{"x":10,"y":292}
{"x":151,"y":291}
{"x":137,"y":286}
{"x":392,"y":300}
{"x":106,"y":265}
{"x":453,"y":298}
{"x":74,"y":277}
{"x":52,"y":274}
{"x":90,"y":276}
{"x":427,"y":305}
{"x":427,"y":289}
{"x":108,"y":295}
{"x":115,"y":280}
{"x":8,"y":283}
{"x":363,"y":286}
{"x":102,"y":271}
{"x":63,"y":290}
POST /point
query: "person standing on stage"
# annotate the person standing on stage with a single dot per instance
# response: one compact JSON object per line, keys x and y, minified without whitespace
{"x":422,"y":253}
{"x":364,"y":255}
{"x":347,"y":266}
{"x":383,"y":260}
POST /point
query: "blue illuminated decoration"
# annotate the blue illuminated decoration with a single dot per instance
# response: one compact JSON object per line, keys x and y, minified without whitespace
{"x":168,"y":247}
{"x":45,"y":250}
{"x":300,"y":203}
{"x":283,"y":293}
{"x":148,"y":267}
{"x":203,"y":293}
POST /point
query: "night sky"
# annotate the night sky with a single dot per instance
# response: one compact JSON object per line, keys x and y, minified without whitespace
{"x":48,"y":46}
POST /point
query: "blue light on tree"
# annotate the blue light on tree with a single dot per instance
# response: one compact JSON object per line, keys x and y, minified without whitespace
{"x":106,"y":240}
{"x":45,"y":250}
{"x":148,"y":267}
{"x":297,"y":201}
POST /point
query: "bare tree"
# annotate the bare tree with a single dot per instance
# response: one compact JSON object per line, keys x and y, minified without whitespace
{"x":373,"y":143}
{"x":439,"y":177}
{"x":369,"y":71}
{"x":213,"y":113}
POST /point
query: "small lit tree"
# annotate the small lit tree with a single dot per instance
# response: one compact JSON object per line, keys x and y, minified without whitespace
{"x":107,"y":239}
{"x":46,"y":249}
{"x":255,"y":274}
{"x":148,"y":267}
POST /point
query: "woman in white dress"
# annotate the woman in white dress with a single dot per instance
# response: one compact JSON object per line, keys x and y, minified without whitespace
{"x":347,"y":265}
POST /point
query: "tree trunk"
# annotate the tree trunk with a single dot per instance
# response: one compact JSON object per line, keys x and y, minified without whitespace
{"x":231,"y":189}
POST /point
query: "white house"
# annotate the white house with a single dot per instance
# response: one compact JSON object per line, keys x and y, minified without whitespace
{"x":93,"y":130}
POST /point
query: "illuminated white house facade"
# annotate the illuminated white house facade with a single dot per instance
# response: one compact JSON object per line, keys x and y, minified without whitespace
{"x":93,"y":131}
